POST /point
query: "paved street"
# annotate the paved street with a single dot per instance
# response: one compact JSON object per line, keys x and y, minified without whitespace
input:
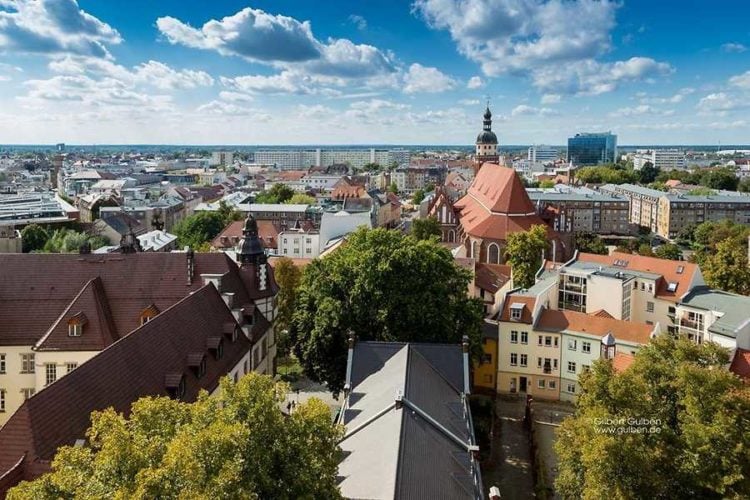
{"x":510,"y":466}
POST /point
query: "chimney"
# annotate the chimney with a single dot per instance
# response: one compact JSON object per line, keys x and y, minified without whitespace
{"x":494,"y":493}
{"x":465,"y":348}
{"x":190,"y":265}
{"x":349,"y":360}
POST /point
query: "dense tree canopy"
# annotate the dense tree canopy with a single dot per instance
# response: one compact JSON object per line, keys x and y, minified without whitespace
{"x":676,"y":424}
{"x":70,"y":241}
{"x":288,"y":276}
{"x":648,"y":173}
{"x":726,"y":268}
{"x":34,"y":237}
{"x":279,"y":193}
{"x":606,"y":175}
{"x":301,"y":199}
{"x":590,"y":243}
{"x":199,"y":228}
{"x":235,"y":445}
{"x":380,"y":285}
{"x":425,"y":228}
{"x":524,"y":254}
{"x":668,"y":251}
{"x":417,"y":197}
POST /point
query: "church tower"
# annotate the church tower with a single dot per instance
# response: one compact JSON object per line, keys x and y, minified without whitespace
{"x":250,"y":253}
{"x":486,"y":145}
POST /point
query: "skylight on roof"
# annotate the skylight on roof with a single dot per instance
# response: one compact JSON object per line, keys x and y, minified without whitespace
{"x":672,"y":287}
{"x":680,"y":269}
{"x":620,"y":263}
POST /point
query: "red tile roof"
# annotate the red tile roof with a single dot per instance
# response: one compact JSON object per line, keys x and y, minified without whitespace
{"x":668,"y":269}
{"x":497,"y":204}
{"x":741,"y":364}
{"x":528,"y":302}
{"x":572,"y":321}
{"x":622,"y":361}
{"x":135,"y":366}
{"x":491,"y":277}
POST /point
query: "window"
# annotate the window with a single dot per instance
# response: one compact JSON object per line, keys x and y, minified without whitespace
{"x":74,"y":330}
{"x":538,"y":362}
{"x":572,"y":344}
{"x":586,"y":347}
{"x":557,"y":341}
{"x":585,"y":368}
{"x":649,"y":307}
{"x":513,"y":359}
{"x":145,"y":319}
{"x":540,"y":383}
{"x":540,"y":340}
{"x":69,"y":367}
{"x":524,"y":360}
{"x":202,"y":367}
{"x":515,"y":312}
{"x":571,"y":388}
{"x":2,"y":400}
{"x":27,"y":363}
{"x":548,"y":341}
{"x":552,"y":384}
{"x":244,"y":367}
{"x":571,"y":367}
{"x":27,"y":393}
{"x":513,"y":337}
{"x":524,"y":337}
{"x":554,"y":363}
{"x":680,"y":269}
{"x":2,"y":363}
{"x":486,"y":358}
{"x":220,"y":350}
{"x":50,"y":373}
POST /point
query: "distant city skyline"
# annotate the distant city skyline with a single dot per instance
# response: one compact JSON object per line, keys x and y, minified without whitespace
{"x":389,"y":72}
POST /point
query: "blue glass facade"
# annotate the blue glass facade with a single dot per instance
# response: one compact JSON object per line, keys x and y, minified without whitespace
{"x":592,"y":149}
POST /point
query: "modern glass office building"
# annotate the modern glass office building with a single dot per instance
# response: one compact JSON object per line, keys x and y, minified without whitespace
{"x":592,"y":148}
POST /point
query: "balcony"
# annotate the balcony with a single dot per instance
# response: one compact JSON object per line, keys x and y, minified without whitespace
{"x":689,"y":323}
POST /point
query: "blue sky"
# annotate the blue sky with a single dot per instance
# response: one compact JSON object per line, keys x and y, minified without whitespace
{"x":378,"y":71}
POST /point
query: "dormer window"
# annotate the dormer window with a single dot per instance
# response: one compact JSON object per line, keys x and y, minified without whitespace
{"x":231,"y":331}
{"x":515,"y":311}
{"x":75,"y":324}
{"x":148,"y":314}
{"x":216,"y":345}
{"x":197,"y":362}
{"x":175,"y":384}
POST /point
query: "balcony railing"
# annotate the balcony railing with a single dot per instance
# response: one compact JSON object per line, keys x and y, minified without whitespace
{"x":689,"y":323}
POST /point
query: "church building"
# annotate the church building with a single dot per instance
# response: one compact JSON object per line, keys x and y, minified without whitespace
{"x":495,"y":205}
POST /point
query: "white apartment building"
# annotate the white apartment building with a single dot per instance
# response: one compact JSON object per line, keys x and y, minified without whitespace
{"x":299,"y":244}
{"x":290,"y":159}
{"x":542,"y":154}
{"x":221,"y":159}
{"x":665,"y":159}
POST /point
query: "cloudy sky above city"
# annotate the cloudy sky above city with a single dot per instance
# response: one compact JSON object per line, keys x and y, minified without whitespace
{"x":365,"y":72}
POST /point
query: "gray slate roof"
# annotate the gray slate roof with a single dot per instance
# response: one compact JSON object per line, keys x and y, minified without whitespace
{"x":398,"y":452}
{"x":736,"y":309}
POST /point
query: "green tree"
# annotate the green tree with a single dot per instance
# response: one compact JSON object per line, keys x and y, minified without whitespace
{"x":691,"y":416}
{"x":417,"y":197}
{"x":645,"y":250}
{"x":547,"y":184}
{"x":648,"y":173}
{"x":279,"y":193}
{"x":393,"y":188}
{"x":372,"y":167}
{"x":668,"y":251}
{"x":236,"y":444}
{"x":590,"y":243}
{"x":524,"y":254}
{"x":228,"y":213}
{"x":380,"y":285}
{"x":727,"y":268}
{"x":744,"y":186}
{"x":198,"y":228}
{"x":301,"y":199}
{"x":720,"y":178}
{"x":288,"y":277}
{"x":425,"y":228}
{"x":34,"y":237}
{"x":709,"y":234}
{"x":65,"y":240}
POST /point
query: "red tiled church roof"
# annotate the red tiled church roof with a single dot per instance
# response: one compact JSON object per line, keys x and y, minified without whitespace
{"x":497,"y":204}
